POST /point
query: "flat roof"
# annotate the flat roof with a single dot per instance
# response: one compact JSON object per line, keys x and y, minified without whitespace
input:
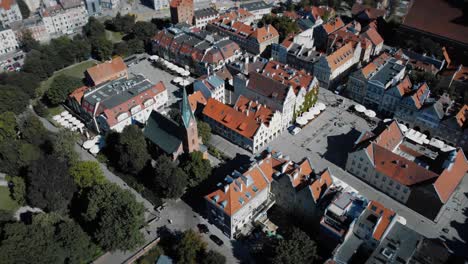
{"x":255,"y":6}
{"x":447,"y":22}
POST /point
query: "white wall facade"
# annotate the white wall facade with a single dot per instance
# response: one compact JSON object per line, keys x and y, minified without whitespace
{"x":11,"y":15}
{"x":66,"y":21}
{"x":8,"y":42}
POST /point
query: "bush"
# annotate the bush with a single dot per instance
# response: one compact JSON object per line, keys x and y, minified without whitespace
{"x":40,"y":109}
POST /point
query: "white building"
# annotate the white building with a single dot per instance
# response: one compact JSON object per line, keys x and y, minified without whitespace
{"x":64,"y":17}
{"x":8,"y":42}
{"x":201,"y":17}
{"x":331,"y":68}
{"x":258,"y":9}
{"x":116,"y":104}
{"x":9,"y":12}
{"x":211,"y":87}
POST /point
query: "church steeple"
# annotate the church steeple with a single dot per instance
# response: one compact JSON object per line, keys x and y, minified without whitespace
{"x":186,"y":110}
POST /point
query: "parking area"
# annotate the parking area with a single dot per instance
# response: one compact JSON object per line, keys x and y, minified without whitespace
{"x":155,"y":75}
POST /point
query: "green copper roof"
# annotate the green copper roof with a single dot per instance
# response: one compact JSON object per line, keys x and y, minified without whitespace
{"x":186,"y":111}
{"x":163,"y":132}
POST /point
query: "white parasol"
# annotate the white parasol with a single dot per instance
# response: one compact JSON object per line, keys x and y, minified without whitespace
{"x":177,"y":80}
{"x":370,"y":113}
{"x":301,"y":121}
{"x":359,"y":108}
{"x":94,"y":149}
{"x":64,"y":113}
{"x":403,"y":128}
{"x":56,"y":117}
{"x":88,"y":144}
{"x":321,"y":106}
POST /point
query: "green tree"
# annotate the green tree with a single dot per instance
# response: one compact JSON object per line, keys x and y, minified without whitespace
{"x":169,"y":180}
{"x":296,"y":248}
{"x":94,"y":29}
{"x":190,"y":247}
{"x":63,"y":146}
{"x":204,"y":131}
{"x":32,"y":130}
{"x":143,"y":30}
{"x":81,"y":48}
{"x":50,"y":238}
{"x":61,"y":87}
{"x":101,"y":49}
{"x":196,"y":167}
{"x":213,"y":257}
{"x":24,"y":9}
{"x":12,"y":99}
{"x":8,"y":126}
{"x":40,"y":109}
{"x":121,"y":49}
{"x":113,"y":217}
{"x":17,"y":189}
{"x":87,"y":174}
{"x":132,"y":150}
{"x":121,"y":23}
{"x":23,"y":81}
{"x":136,"y":46}
{"x":284,"y":25}
{"x":49,"y":186}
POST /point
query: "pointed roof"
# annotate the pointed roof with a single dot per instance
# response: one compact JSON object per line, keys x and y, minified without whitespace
{"x":186,"y":110}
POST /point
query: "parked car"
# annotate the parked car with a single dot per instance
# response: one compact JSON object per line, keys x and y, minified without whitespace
{"x":217,"y":240}
{"x":295,"y":131}
{"x":203,"y":228}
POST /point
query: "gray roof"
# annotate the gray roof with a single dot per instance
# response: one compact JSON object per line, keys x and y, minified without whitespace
{"x":347,"y":249}
{"x":114,"y":93}
{"x":205,"y":12}
{"x":163,"y":132}
{"x":387,"y":72}
{"x":255,"y":6}
{"x":397,"y":247}
{"x":304,"y":54}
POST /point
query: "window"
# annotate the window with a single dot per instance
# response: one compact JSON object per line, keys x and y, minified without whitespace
{"x":405,"y":190}
{"x":384,"y":179}
{"x":365,"y":169}
{"x":398,"y":187}
{"x":390,"y":183}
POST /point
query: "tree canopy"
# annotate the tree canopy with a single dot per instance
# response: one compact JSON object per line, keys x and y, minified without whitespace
{"x":87,"y":174}
{"x":8,"y":126}
{"x":130,"y":151}
{"x":297,"y":247}
{"x":204,"y":130}
{"x":12,"y":99}
{"x":169,"y":180}
{"x":190,"y":247}
{"x":196,"y":167}
{"x":113,"y":216}
{"x":61,"y":87}
{"x":50,"y":238}
{"x":49,"y":186}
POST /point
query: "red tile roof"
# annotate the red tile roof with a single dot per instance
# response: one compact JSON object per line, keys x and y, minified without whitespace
{"x":404,"y":87}
{"x":107,"y":71}
{"x":267,"y":87}
{"x":78,"y":93}
{"x":320,"y":185}
{"x":333,"y":25}
{"x":448,"y":181}
{"x":462,"y":116}
{"x":288,"y":75}
{"x":244,"y":119}
{"x":371,"y":12}
{"x":341,"y":56}
{"x":196,"y":98}
{"x":229,"y":196}
{"x":6,"y":4}
{"x":437,"y":17}
{"x":385,"y":217}
{"x":374,"y":36}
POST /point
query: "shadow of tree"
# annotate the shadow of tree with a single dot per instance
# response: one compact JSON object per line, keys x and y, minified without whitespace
{"x":459,"y":247}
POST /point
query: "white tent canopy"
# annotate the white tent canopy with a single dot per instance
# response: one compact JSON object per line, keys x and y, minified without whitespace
{"x":67,"y":116}
{"x":56,"y":117}
{"x":88,"y":144}
{"x":359,"y":108}
{"x":177,"y":80}
{"x":370,"y":113}
{"x":301,"y":121}
{"x":308,"y":115}
{"x":94,"y":149}
{"x":321,"y":106}
{"x":184,"y":83}
{"x":185,"y":73}
{"x":80,"y":125}
{"x":64,"y":113}
{"x":314,"y":111}
{"x":402,"y":127}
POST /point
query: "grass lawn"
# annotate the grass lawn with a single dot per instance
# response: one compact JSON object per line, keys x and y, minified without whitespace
{"x":114,"y":37}
{"x":6,"y":203}
{"x":75,"y":70}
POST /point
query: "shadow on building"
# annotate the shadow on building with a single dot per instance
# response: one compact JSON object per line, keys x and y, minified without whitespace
{"x":339,"y":146}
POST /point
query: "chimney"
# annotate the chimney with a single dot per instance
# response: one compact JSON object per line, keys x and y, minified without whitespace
{"x":247,"y":60}
{"x":226,"y":188}
{"x":268,"y":28}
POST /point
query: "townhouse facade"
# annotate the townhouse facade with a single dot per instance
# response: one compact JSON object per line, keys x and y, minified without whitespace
{"x":9,"y":12}
{"x":203,"y":16}
{"x":200,"y":52}
{"x":275,"y":95}
{"x":248,"y":124}
{"x":330,"y":69}
{"x":64,"y":17}
{"x":182,"y":11}
{"x":34,"y":25}
{"x":253,"y":40}
{"x":211,"y":86}
{"x":8,"y":41}
{"x":405,"y":170}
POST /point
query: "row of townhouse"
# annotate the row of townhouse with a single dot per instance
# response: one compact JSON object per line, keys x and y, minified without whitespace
{"x":9,"y":12}
{"x":64,"y":16}
{"x":242,"y":199}
{"x":252,"y":39}
{"x":419,"y":175}
{"x":201,"y":52}
{"x":380,"y":235}
{"x":114,"y":99}
{"x":8,"y":41}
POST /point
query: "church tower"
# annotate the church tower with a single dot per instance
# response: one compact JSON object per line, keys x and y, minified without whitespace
{"x":189,"y":126}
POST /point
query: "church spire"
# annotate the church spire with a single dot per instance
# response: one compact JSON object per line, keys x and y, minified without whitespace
{"x":186,"y":110}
